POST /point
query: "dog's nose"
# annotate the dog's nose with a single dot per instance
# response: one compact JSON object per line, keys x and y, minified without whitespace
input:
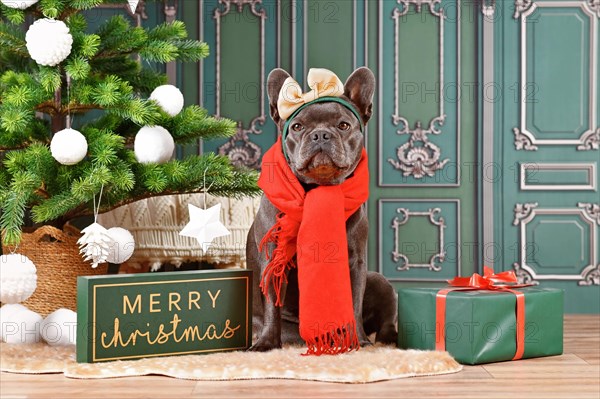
{"x":320,"y":137}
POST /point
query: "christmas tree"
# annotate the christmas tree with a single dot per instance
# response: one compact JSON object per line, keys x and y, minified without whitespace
{"x":100,"y":72}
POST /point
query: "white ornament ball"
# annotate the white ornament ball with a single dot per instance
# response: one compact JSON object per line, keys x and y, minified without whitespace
{"x":19,"y":325}
{"x":169,"y":98}
{"x":48,"y":41}
{"x":20,"y":4}
{"x":60,"y":328}
{"x":153,"y":144}
{"x":68,"y":146}
{"x":122,"y":247}
{"x":18,"y":278}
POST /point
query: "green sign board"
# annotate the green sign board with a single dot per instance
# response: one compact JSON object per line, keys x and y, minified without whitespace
{"x":163,"y":314}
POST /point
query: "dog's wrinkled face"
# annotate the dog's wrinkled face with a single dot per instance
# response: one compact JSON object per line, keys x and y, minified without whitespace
{"x":324,"y":144}
{"x":324,"y":141}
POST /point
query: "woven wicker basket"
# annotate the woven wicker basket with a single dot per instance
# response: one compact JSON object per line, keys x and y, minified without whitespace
{"x":55,"y":254}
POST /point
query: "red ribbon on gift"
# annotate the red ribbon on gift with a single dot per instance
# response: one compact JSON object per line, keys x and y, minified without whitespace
{"x":503,"y":281}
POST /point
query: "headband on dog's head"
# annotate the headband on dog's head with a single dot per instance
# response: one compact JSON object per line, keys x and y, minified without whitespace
{"x":326,"y":87}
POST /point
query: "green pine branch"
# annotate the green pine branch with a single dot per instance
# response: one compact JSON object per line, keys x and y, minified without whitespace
{"x":12,"y":39}
{"x":13,"y":15}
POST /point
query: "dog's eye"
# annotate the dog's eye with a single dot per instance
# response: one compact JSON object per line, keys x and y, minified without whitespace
{"x":297,"y":127}
{"x":344,"y":126}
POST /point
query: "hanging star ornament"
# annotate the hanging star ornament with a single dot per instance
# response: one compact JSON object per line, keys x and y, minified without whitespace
{"x":133,"y":5}
{"x":205,"y":225}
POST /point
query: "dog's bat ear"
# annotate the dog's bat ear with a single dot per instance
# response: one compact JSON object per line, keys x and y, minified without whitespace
{"x":359,"y":88}
{"x":274,"y":84}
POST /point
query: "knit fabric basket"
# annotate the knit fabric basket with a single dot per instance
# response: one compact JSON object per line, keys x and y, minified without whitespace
{"x":55,"y":254}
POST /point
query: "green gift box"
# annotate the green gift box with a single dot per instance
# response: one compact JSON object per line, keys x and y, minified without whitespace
{"x":480,"y":325}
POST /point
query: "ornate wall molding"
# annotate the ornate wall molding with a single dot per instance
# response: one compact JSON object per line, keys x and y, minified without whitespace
{"x":436,"y":220}
{"x":418,"y":157}
{"x":523,"y":276}
{"x":488,"y":8}
{"x":590,"y":139}
{"x":521,"y":6}
{"x":591,"y":211}
{"x":523,"y":141}
{"x":524,"y":213}
{"x":594,"y":5}
{"x":588,"y":213}
{"x":434,"y":7}
{"x":240,"y":149}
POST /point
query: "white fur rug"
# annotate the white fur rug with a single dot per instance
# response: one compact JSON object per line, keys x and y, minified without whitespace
{"x":370,"y":364}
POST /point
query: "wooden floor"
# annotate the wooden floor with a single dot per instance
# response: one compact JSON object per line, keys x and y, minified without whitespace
{"x":576,"y":374}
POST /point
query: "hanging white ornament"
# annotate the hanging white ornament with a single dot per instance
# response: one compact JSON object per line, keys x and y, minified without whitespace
{"x":60,"y":328}
{"x":169,"y":98}
{"x":19,"y":325}
{"x":48,"y":41}
{"x":153,"y":144}
{"x":132,"y":5}
{"x":95,"y":244}
{"x":205,"y":225}
{"x":123,"y":245}
{"x":18,"y":278}
{"x":20,"y":4}
{"x":68,"y":146}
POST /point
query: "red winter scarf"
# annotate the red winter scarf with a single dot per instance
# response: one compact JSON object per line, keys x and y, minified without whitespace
{"x":313,"y":226}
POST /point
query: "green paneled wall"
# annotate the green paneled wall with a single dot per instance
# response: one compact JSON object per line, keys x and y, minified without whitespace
{"x":544,"y":127}
{"x":427,"y":70}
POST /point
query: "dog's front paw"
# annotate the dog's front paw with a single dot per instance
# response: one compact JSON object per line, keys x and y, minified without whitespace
{"x":263,"y":345}
{"x":365,"y":342}
{"x":387,"y":335}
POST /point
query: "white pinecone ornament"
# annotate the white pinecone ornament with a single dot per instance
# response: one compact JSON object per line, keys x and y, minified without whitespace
{"x":95,"y":244}
{"x":49,"y":41}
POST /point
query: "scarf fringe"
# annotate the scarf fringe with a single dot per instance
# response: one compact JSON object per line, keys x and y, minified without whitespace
{"x":336,"y":341}
{"x":275,"y":272}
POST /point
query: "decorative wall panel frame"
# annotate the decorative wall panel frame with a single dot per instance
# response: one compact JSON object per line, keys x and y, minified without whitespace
{"x":589,"y":168}
{"x":305,"y":17}
{"x":589,"y":213}
{"x":595,"y":6}
{"x":438,"y":257}
{"x":248,"y":153}
{"x":436,"y":220}
{"x":419,"y":157}
{"x":590,"y":139}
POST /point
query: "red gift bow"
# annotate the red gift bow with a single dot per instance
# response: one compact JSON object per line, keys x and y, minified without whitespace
{"x":503,"y":281}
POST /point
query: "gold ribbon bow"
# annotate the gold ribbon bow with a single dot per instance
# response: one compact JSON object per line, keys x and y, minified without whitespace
{"x":323,"y":83}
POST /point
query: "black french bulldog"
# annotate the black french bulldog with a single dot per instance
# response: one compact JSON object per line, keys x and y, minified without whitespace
{"x":319,"y":154}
